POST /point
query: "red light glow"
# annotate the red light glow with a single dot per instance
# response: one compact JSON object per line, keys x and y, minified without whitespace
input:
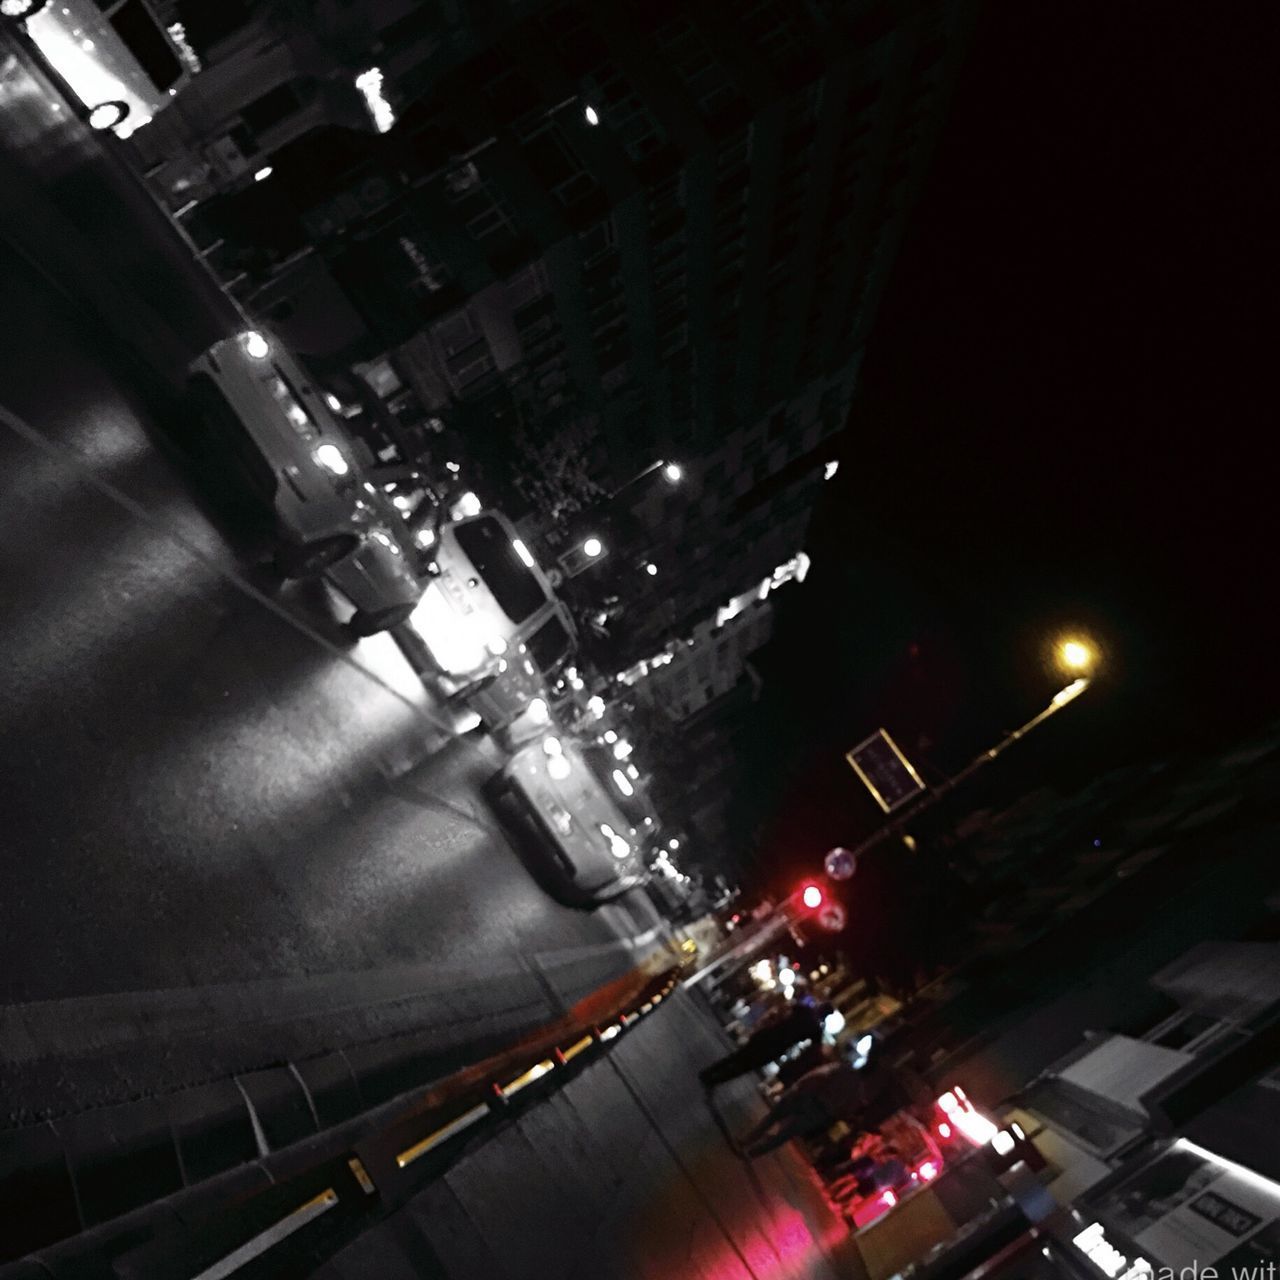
{"x":944,"y":1130}
{"x":928,"y":1171}
{"x":888,"y":1198}
{"x":812,"y":896}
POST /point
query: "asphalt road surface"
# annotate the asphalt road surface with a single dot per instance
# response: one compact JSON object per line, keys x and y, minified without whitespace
{"x":219,"y":812}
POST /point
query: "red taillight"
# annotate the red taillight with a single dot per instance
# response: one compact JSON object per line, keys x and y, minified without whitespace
{"x":811,"y":897}
{"x":888,"y":1198}
{"x":928,"y":1171}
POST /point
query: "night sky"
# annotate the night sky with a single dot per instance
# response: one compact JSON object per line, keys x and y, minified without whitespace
{"x":1061,"y":422}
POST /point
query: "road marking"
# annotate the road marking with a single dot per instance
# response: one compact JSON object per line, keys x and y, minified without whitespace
{"x":272,"y":1236}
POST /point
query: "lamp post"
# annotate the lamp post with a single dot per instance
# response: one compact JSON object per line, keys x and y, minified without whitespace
{"x":1075,"y":657}
{"x":585,"y":551}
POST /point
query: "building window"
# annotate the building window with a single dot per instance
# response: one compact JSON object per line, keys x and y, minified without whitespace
{"x":270,"y":109}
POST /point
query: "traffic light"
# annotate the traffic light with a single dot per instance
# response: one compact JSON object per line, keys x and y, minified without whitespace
{"x":811,"y":896}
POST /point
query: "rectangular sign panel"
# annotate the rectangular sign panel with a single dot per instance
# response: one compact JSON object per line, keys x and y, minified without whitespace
{"x":885,"y":771}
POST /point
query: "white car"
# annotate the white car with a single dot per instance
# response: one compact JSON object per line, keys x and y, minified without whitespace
{"x":488,"y":611}
{"x":559,"y":792}
{"x":282,"y":435}
{"x":114,"y":55}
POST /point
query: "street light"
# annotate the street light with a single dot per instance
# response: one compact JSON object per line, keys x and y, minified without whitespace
{"x":1076,"y":656}
{"x":592,"y":548}
{"x":673,"y":471}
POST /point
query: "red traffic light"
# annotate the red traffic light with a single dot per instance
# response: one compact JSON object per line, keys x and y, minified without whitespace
{"x":811,"y":896}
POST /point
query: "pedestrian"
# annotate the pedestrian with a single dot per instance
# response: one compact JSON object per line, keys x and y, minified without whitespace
{"x":837,"y":1091}
{"x":799,"y":1022}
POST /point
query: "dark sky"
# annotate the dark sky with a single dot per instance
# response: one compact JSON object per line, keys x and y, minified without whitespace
{"x":1066,"y":418}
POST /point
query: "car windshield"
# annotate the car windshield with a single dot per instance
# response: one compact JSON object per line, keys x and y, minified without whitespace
{"x":601,"y":761}
{"x":549,"y":645}
{"x":489,"y":548}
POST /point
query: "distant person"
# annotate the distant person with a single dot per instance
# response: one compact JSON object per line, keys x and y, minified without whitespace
{"x":798,"y":1023}
{"x":837,"y":1091}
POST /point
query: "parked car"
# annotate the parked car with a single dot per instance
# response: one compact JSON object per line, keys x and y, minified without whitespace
{"x":491,"y":628}
{"x":116,"y":56}
{"x":553,"y":788}
{"x":259,"y":409}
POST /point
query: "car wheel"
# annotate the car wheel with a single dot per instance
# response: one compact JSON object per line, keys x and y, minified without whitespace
{"x":311,"y":559}
{"x":494,"y":789}
{"x":368,"y":622}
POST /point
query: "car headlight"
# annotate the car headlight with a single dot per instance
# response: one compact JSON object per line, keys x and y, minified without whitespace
{"x":558,"y":768}
{"x":455,"y":647}
{"x":254,"y":345}
{"x":331,"y":458}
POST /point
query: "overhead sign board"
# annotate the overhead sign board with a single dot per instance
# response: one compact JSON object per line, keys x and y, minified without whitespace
{"x":885,"y":771}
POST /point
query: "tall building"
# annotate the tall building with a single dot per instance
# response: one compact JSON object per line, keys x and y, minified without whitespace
{"x":585,"y":236}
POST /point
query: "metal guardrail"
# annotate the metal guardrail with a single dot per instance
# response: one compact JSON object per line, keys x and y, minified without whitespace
{"x":282,"y":1213}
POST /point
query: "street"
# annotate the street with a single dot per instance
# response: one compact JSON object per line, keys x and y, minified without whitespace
{"x":221,"y":811}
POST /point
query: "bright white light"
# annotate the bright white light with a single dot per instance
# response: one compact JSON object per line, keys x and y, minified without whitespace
{"x":609,"y":1032}
{"x":453,"y":467}
{"x":369,"y":83}
{"x":467,"y":505}
{"x":592,"y":115}
{"x":622,"y":750}
{"x":254,"y":345}
{"x":833,"y":1023}
{"x":651,"y":569}
{"x":812,"y":896}
{"x":261,"y":176}
{"x":425,"y":537}
{"x":497,"y":646}
{"x":538,"y":711}
{"x":928,"y":1171}
{"x":592,"y":547}
{"x":329,"y":456}
{"x":559,"y":768}
{"x":863,"y":1047}
{"x":1017,"y":1130}
{"x":1073,"y":690}
{"x":401,"y":502}
{"x":610,"y":736}
{"x":623,"y":783}
{"x":888,"y":1198}
{"x":1002,"y":1142}
{"x":1249,"y":1175}
{"x":673,"y":472}
{"x":333,"y":402}
{"x":787,"y":977}
{"x":595,"y":705}
{"x":830,"y":470}
{"x":522,"y":551}
{"x":552,"y":746}
{"x":632,"y":771}
{"x":673,"y":844}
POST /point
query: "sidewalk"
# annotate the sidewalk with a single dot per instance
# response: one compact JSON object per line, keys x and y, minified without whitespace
{"x":624,"y":1174}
